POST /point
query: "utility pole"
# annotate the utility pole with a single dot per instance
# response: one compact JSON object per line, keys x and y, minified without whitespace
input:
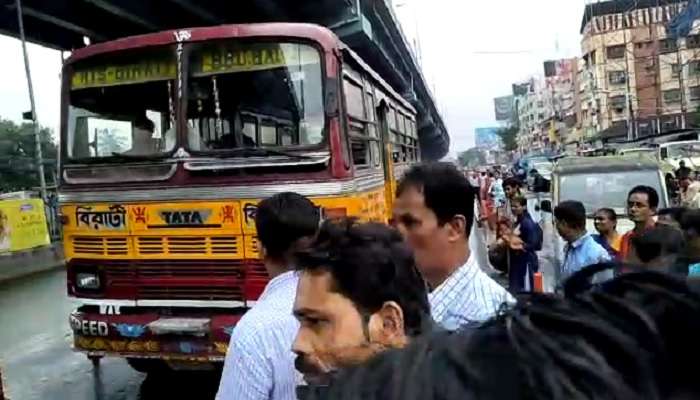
{"x":35,"y":122}
{"x":628,"y":97}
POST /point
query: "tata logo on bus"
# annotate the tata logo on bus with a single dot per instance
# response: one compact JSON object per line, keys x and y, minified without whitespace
{"x":187,"y":218}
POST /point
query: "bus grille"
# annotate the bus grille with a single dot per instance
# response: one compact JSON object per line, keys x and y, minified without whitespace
{"x":188,"y":245}
{"x":96,"y":245}
{"x":183,"y":279}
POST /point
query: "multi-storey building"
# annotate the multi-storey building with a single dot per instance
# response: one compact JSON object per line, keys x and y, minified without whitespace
{"x":533,"y":105}
{"x":633,"y":80}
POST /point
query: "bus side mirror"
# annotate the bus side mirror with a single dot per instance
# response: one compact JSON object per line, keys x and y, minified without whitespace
{"x":546,"y":206}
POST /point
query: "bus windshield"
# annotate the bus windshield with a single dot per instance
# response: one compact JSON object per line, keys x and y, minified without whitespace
{"x":247,"y":95}
{"x":121,"y":106}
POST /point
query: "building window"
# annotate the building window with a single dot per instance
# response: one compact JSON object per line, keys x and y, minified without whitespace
{"x":617,"y":77}
{"x":695,"y":93}
{"x":672,"y":96}
{"x":615,"y":52}
{"x":667,"y":46}
{"x":692,"y":42}
{"x":694,"y":68}
{"x":675,"y":70}
{"x":617,"y":104}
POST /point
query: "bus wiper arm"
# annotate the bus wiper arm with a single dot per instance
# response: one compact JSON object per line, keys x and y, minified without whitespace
{"x":115,"y":158}
{"x":133,"y":157}
{"x":259,"y":152}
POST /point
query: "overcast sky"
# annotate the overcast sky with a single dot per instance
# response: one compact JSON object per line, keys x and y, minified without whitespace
{"x":454,"y":34}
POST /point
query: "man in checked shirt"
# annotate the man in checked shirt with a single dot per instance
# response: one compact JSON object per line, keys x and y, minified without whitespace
{"x":434,"y":211}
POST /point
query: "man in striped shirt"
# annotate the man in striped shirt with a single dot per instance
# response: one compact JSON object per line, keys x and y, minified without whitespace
{"x":434,"y":211}
{"x":260,"y":362}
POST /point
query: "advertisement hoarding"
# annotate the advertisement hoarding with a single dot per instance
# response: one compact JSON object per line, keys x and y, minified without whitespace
{"x":504,"y":108}
{"x":488,"y":139}
{"x":22,"y":225}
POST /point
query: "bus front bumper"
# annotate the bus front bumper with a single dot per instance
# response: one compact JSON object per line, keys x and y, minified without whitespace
{"x":151,"y":335}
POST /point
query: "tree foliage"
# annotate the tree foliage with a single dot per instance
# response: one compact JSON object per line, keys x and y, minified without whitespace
{"x":509,"y":137}
{"x":472,"y":158}
{"x":18,"y":168}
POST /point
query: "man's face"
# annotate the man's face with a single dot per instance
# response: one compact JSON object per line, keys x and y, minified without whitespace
{"x":333,"y":334}
{"x":420,"y":228}
{"x":563,"y":229}
{"x":685,"y":183}
{"x":510,"y":191}
{"x":517,"y":208}
{"x":638,"y":207}
{"x":603,"y":223}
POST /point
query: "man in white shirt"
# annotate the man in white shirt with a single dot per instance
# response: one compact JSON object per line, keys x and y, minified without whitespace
{"x":260,"y":362}
{"x":434,"y":211}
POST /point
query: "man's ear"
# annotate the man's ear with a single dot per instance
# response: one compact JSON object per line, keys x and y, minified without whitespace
{"x":386,"y":326}
{"x":457,"y":228}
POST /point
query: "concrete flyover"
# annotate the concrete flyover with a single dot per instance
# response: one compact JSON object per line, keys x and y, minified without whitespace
{"x":368,"y":26}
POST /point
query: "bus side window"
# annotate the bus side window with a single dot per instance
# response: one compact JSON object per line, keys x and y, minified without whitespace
{"x":664,"y":153}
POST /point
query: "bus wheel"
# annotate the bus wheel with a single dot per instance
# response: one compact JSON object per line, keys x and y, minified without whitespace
{"x":147,"y":366}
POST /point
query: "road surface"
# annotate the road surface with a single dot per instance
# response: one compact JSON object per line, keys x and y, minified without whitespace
{"x":38,"y":363}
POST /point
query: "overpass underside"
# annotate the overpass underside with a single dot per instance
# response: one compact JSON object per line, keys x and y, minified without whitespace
{"x":368,"y":26}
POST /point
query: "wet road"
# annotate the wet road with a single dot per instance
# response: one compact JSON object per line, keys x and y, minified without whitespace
{"x":38,"y":363}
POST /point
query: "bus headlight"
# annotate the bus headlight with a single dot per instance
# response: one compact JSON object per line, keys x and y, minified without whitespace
{"x":86,"y":280}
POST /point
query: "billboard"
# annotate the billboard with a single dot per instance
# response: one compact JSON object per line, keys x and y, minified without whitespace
{"x":488,"y":139}
{"x":504,"y":108}
{"x":22,"y":225}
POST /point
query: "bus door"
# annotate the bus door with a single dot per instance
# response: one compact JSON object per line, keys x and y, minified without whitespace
{"x":387,"y":156}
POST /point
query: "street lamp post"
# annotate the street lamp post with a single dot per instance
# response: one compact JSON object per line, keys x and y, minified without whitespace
{"x":35,"y":122}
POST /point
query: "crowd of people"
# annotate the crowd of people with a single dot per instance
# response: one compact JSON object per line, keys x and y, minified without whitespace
{"x":406,"y":311}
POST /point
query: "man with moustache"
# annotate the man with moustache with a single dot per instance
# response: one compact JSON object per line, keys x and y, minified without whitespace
{"x":359,"y":294}
{"x":434,"y":211}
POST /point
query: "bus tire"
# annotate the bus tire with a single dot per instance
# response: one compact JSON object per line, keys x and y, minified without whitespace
{"x":147,"y":366}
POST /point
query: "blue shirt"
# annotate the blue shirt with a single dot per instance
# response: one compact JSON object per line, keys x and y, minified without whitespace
{"x":469,"y":295}
{"x":584,"y":252}
{"x":260,"y":363}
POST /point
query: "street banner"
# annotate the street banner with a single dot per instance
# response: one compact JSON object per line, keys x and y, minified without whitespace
{"x":22,"y":225}
{"x":504,"y":108}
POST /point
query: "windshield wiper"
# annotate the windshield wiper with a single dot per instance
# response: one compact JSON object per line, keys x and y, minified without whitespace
{"x":117,"y":158}
{"x":134,"y":157}
{"x":258,"y":152}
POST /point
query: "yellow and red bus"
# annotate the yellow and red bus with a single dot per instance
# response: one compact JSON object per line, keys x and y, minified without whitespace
{"x":168,"y":142}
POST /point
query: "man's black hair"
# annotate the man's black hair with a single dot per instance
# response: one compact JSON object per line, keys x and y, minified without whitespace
{"x":609,"y":212}
{"x":446,"y":191}
{"x":522,"y":200}
{"x":651,"y":193}
{"x":690,"y":221}
{"x":145,"y":123}
{"x":662,"y":240}
{"x":628,"y":339}
{"x":370,"y":264}
{"x":676,"y":213}
{"x":512,"y":182}
{"x":573,"y":213}
{"x":283,"y":219}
